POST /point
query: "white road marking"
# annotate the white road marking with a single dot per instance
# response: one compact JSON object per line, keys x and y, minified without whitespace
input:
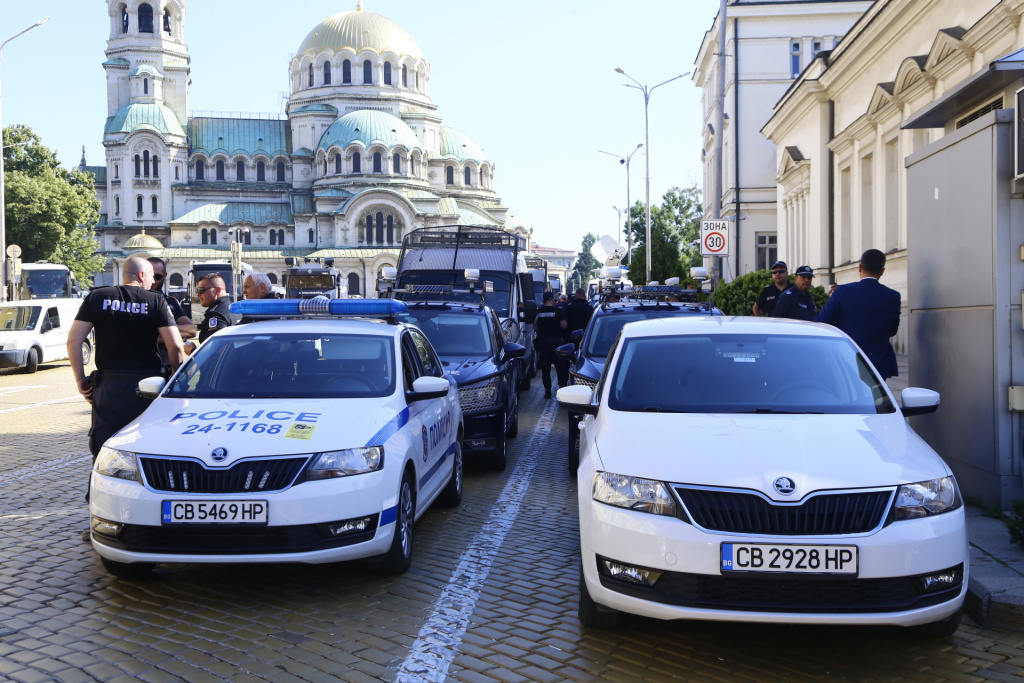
{"x":44,"y":403}
{"x":42,"y":468}
{"x":441,"y":636}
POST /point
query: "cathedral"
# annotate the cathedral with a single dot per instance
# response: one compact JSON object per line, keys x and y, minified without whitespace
{"x":359,"y":157}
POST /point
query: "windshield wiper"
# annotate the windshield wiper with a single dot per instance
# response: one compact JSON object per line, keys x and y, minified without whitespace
{"x":773,"y":411}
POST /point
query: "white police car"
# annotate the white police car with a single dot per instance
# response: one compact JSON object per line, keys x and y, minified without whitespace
{"x":314,"y":434}
{"x":741,"y":469}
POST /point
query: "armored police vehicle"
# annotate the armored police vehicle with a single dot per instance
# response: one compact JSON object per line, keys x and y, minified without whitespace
{"x":44,"y":280}
{"x":311,"y":277}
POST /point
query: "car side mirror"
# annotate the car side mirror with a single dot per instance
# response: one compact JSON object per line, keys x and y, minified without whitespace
{"x":47,"y":325}
{"x":528,"y":312}
{"x":577,"y":335}
{"x":578,"y":399}
{"x":514,"y":350}
{"x":917,"y":401}
{"x":565,"y":351}
{"x":426,"y":388}
{"x":151,"y":387}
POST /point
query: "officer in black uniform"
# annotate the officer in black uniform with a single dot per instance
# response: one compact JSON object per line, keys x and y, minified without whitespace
{"x":769,"y":296}
{"x":186,"y":328}
{"x":549,"y":326}
{"x":578,"y":314}
{"x":213,"y":294}
{"x":796,"y":302}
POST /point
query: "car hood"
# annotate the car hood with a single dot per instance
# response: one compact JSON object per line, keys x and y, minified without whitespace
{"x":591,"y":368}
{"x":467,"y":370}
{"x":171,"y":426}
{"x":751,"y":451}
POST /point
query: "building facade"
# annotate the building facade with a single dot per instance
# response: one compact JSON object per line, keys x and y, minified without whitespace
{"x":360,"y":156}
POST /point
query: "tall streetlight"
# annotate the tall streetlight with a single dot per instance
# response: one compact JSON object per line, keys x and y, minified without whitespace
{"x":3,"y":206}
{"x":618,"y":222}
{"x":629,"y":233}
{"x":647,"y":142}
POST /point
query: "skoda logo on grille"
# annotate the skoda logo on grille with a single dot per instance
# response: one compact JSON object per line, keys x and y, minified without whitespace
{"x":219,"y":454}
{"x":785,"y":485}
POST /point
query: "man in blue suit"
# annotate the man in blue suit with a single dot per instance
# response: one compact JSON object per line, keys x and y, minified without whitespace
{"x":868,"y":311}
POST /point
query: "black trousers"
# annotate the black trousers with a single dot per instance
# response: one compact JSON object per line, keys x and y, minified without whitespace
{"x":115,"y":403}
{"x":546,"y":358}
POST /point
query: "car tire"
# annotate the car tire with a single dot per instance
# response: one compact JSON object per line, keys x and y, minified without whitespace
{"x":513,"y":416}
{"x":398,"y":558}
{"x":590,"y":615}
{"x":451,"y":495}
{"x":32,"y":360}
{"x":124,"y":570}
{"x":943,"y":628}
{"x":86,"y":352}
{"x":498,"y":459}
{"x":573,"y":460}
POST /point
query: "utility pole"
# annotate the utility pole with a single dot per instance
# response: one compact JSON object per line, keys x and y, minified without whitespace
{"x":716,"y":207}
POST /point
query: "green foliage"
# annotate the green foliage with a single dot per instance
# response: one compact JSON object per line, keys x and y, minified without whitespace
{"x":50,"y":211}
{"x":582,"y":272}
{"x":738,"y":297}
{"x":1015,"y":521}
{"x":675,"y":226}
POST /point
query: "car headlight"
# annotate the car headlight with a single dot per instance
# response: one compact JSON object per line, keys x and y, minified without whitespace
{"x":118,"y":464}
{"x":479,"y":394}
{"x":10,"y":345}
{"x":643,"y":495}
{"x":345,"y":463}
{"x":927,"y":498}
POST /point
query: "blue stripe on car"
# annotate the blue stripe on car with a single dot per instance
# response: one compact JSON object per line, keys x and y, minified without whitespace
{"x":389,"y":515}
{"x":437,"y":465}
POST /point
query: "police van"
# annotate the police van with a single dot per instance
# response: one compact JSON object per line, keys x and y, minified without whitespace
{"x":317,"y":433}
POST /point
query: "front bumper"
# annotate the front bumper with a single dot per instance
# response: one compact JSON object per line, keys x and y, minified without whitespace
{"x":14,"y":358}
{"x":297,"y":528}
{"x":695,"y":587}
{"x":483,"y":429}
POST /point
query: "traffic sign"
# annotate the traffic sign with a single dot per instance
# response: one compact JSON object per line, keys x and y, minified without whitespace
{"x":13,"y":250}
{"x":714,"y":238}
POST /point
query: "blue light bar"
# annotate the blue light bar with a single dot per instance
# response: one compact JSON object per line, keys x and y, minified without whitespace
{"x":270,"y":308}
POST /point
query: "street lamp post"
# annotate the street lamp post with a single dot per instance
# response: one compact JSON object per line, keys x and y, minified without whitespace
{"x":618,"y":222}
{"x":647,"y":143}
{"x":629,"y":233}
{"x":3,"y":206}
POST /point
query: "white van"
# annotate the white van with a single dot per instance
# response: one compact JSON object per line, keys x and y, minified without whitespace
{"x":36,"y":331}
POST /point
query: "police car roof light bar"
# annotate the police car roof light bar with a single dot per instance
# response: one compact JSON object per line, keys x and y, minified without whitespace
{"x":277,"y":308}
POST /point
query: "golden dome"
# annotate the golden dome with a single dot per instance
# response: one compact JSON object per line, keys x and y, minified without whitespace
{"x":359,"y":30}
{"x":143,"y":242}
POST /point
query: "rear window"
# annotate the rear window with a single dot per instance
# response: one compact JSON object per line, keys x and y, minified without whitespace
{"x":606,"y":326}
{"x":452,"y":333}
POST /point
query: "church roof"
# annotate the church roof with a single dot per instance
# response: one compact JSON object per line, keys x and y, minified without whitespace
{"x":457,"y":145}
{"x":142,"y":115}
{"x":145,"y":69}
{"x":253,"y":253}
{"x":359,"y":30}
{"x":100,"y":172}
{"x":230,"y":136}
{"x":474,"y":215}
{"x":370,"y":127}
{"x":309,"y":108}
{"x":228,"y":213}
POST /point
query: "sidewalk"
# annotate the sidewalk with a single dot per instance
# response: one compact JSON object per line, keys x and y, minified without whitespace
{"x":995,"y":590}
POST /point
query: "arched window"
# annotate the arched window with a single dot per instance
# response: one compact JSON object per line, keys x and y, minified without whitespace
{"x":369,"y":229}
{"x":115,"y":172}
{"x":346,"y":71}
{"x":391,"y":229}
{"x":220,"y":169}
{"x":138,"y":166}
{"x":280,"y":237}
{"x":450,"y":175}
{"x":273,"y":238}
{"x":376,"y":163}
{"x":145,"y":86}
{"x":405,"y":76}
{"x":177,"y":280}
{"x":482,"y":183}
{"x":380,"y":228}
{"x":124,"y":19}
{"x":272,"y":277}
{"x":167,"y":21}
{"x":247,"y":238}
{"x":117,"y":206}
{"x":240,"y":170}
{"x":145,"y":18}
{"x":396,"y":164}
{"x":206,"y":236}
{"x":325,"y":165}
{"x":387,"y":73}
{"x":310,"y":235}
{"x":261,"y":172}
{"x":177,"y":173}
{"x":200,"y":170}
{"x":353,"y":284}
{"x":417,"y":80}
{"x":356,"y":162}
{"x":310,"y":75}
{"x":145,"y":163}
{"x":213,"y":236}
{"x":367,"y":72}
{"x":280,"y":171}
{"x":152,"y":203}
{"x":327,"y":73}
{"x":467,"y":177}
{"x":156,"y":166}
{"x":138,"y":204}
{"x":337,"y":163}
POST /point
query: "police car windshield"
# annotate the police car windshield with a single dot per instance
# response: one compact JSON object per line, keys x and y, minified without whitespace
{"x":498,"y":300}
{"x":453,"y":333}
{"x":607,"y":324}
{"x":19,"y":318}
{"x":744,"y":374}
{"x":298,"y":365}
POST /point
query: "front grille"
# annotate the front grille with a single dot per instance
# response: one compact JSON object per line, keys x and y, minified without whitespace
{"x":826,"y":514}
{"x":580,"y":380}
{"x":479,"y":395}
{"x":808,"y":594}
{"x":176,"y":475}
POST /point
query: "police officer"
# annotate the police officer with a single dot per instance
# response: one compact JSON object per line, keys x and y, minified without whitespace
{"x":578,"y":314}
{"x":549,"y":327}
{"x":213,"y":294}
{"x":769,"y":296}
{"x":127,"y":319}
{"x":796,"y":302}
{"x":186,"y":328}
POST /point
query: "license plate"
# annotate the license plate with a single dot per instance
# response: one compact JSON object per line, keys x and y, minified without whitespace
{"x":793,"y":559}
{"x":214,"y":512}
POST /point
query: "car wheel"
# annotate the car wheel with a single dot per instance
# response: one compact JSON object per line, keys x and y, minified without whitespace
{"x":513,"y":416}
{"x":86,"y":352}
{"x":590,"y":615}
{"x":574,"y":444}
{"x":451,"y":496}
{"x":124,"y":570}
{"x":937,"y":629}
{"x":32,"y":360}
{"x":499,"y":458}
{"x":399,"y":555}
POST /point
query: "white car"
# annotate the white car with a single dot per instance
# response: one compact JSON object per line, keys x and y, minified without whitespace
{"x":314,"y":438}
{"x":740,"y":469}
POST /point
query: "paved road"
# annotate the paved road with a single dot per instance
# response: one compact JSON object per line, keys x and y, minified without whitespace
{"x":491,"y":595}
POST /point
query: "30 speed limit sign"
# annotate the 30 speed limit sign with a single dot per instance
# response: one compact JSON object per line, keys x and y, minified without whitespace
{"x":714,"y":238}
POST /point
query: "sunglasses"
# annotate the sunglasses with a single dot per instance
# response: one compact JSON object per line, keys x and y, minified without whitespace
{"x":158,"y":277}
{"x":778,"y":272}
{"x":200,"y":290}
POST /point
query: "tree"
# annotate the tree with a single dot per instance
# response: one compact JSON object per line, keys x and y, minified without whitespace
{"x":675,"y":226}
{"x":50,"y":211}
{"x":583,"y":271}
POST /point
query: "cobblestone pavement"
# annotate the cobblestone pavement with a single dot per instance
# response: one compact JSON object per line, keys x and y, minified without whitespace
{"x":491,"y":595}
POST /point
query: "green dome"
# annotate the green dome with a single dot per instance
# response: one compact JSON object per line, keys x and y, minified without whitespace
{"x":369,"y":127}
{"x":143,"y":115}
{"x":457,"y":145}
{"x":146,"y":69}
{"x":358,"y":30}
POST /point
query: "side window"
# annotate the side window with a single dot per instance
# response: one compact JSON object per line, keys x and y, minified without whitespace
{"x":431,"y":366}
{"x":499,"y":334}
{"x":53,"y":317}
{"x":607,"y":367}
{"x":410,"y":364}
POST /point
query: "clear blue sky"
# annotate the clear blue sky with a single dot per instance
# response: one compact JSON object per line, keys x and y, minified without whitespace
{"x":532,"y":82}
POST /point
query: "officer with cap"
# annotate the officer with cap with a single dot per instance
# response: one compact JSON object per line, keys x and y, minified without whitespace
{"x":769,"y":296}
{"x":549,"y":326}
{"x":796,"y":302}
{"x":213,"y":294}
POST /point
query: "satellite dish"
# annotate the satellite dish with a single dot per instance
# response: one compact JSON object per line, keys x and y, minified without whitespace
{"x":607,"y":251}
